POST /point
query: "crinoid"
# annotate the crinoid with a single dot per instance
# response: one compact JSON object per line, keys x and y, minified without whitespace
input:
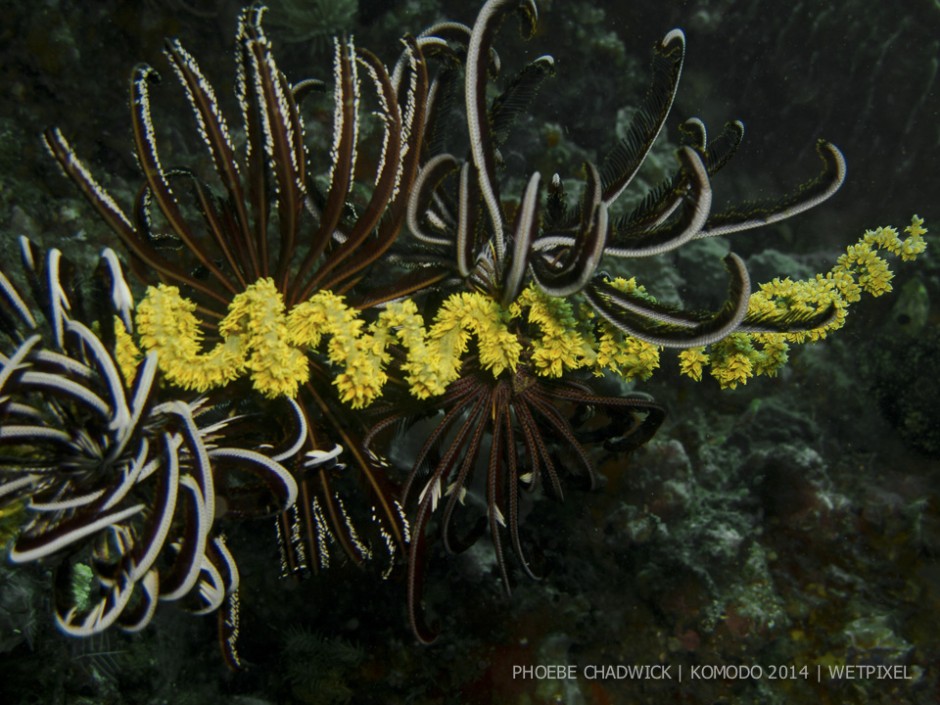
{"x":507,"y":272}
{"x":524,"y":431}
{"x":121,"y":482}
{"x":265,"y":237}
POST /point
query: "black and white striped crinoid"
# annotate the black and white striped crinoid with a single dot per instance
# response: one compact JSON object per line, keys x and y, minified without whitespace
{"x":118,"y":483}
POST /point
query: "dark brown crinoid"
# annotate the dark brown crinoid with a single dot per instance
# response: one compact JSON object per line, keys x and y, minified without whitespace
{"x":507,"y":436}
{"x":266,"y":215}
{"x":458,"y":214}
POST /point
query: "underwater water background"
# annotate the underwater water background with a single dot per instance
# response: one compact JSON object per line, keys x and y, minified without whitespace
{"x":790,"y":523}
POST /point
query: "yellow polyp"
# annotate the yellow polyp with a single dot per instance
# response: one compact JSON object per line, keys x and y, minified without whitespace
{"x":166,"y":324}
{"x":914,"y":244}
{"x":278,"y":369}
{"x":361,"y":355}
{"x":843,"y":284}
{"x":692,"y":361}
{"x":773,"y":354}
{"x":732,"y":360}
{"x":261,"y":339}
{"x":253,"y":333}
{"x":561,"y":345}
{"x":869,"y":270}
{"x":426,"y":370}
{"x":126,"y":353}
{"x":629,"y":357}
{"x":363,"y":379}
{"x":257,"y":319}
{"x":324,"y":313}
{"x":472,"y":312}
{"x":165,"y":321}
{"x":625,"y":355}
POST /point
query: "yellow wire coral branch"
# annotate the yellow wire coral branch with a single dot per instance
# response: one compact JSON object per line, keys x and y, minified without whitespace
{"x":862,"y":268}
{"x":126,"y":353}
{"x":167,"y":324}
{"x":473,"y":312}
{"x":426,"y":370}
{"x":361,"y":355}
{"x":256,"y":332}
{"x":261,"y":339}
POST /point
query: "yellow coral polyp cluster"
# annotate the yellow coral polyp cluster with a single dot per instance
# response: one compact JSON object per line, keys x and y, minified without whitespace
{"x":562,"y":344}
{"x":861,"y":269}
{"x":427,"y":371}
{"x":167,"y":324}
{"x":361,"y":356}
{"x":260,"y":339}
{"x":254,"y":340}
{"x":270,"y":345}
{"x":257,"y":328}
{"x":472,"y":312}
{"x":629,"y":357}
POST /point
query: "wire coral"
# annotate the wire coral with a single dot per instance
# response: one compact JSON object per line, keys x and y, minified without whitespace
{"x":261,"y":340}
{"x":862,"y":269}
